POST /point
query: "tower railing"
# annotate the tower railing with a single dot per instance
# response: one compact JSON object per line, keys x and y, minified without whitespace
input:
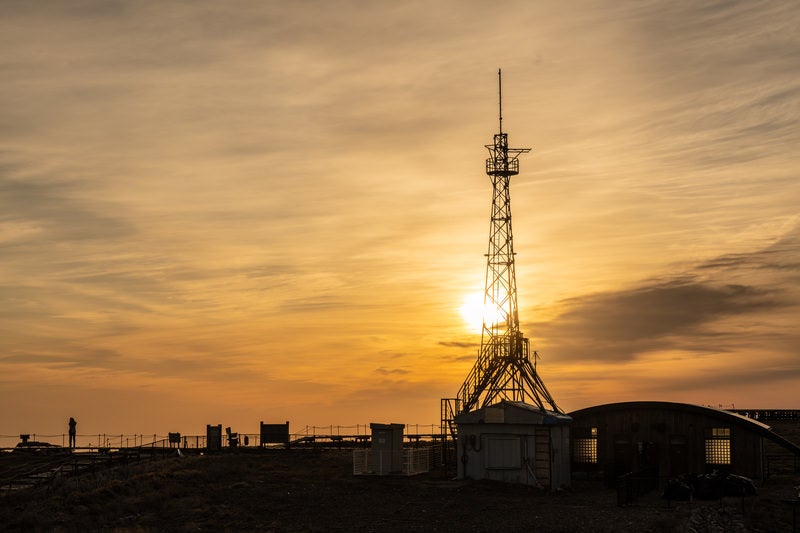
{"x":450,"y":407}
{"x":477,"y":380}
{"x":496,"y":167}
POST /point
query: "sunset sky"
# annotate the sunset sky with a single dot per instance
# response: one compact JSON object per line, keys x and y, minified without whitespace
{"x":226,"y":212}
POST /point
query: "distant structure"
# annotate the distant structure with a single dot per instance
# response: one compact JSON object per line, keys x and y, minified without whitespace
{"x":504,"y":369}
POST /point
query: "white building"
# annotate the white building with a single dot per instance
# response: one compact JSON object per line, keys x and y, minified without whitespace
{"x":514,"y":442}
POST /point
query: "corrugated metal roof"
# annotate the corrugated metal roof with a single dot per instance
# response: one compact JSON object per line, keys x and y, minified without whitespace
{"x":731,"y":418}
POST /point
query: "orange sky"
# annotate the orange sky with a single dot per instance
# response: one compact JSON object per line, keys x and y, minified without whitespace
{"x":241,"y":211}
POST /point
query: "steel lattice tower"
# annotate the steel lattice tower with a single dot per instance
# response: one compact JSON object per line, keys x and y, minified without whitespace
{"x":503,"y":370}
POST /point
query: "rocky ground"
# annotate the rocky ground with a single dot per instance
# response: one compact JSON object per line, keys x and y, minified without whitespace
{"x":304,"y":490}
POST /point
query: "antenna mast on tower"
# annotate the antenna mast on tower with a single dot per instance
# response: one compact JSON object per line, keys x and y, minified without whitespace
{"x":503,"y":370}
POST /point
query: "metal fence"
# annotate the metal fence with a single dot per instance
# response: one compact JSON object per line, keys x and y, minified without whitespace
{"x":407,"y":461}
{"x":85,"y":440}
{"x":359,"y":433}
{"x":104,"y":441}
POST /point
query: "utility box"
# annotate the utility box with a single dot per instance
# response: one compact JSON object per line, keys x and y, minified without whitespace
{"x":386,"y":451}
{"x":214,"y":437}
{"x":274,"y":434}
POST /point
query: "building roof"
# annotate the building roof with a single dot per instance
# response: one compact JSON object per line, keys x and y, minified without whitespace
{"x":507,"y":412}
{"x":733,"y":419}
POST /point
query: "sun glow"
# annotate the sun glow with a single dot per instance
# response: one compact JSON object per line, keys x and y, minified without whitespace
{"x":474,"y":311}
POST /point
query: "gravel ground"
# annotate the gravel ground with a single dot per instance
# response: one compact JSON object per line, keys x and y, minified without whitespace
{"x":302,"y":490}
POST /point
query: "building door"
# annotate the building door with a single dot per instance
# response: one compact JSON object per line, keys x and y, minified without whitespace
{"x":624,"y":458}
{"x":542,"y":458}
{"x":649,"y":459}
{"x":678,"y":456}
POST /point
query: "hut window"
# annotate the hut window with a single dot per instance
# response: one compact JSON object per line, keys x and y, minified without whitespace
{"x":585,"y":450}
{"x":718,"y":447}
{"x":503,"y":452}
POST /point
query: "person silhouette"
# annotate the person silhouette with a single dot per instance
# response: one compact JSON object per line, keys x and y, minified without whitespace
{"x":72,"y":425}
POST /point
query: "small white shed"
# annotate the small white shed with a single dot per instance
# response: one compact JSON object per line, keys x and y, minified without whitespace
{"x":514,"y":442}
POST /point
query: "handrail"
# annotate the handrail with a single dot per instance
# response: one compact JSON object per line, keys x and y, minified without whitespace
{"x":107,"y":441}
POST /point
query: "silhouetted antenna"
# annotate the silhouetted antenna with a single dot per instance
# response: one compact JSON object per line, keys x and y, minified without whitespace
{"x":500,"y":94}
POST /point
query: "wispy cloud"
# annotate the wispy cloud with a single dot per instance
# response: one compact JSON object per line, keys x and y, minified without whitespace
{"x":282,"y":202}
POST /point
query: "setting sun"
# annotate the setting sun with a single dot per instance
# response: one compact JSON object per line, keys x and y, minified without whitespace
{"x":473,"y":310}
